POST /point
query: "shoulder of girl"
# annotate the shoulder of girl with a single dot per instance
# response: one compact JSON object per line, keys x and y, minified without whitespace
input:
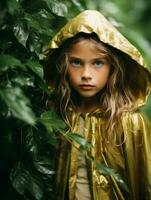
{"x":136,"y":120}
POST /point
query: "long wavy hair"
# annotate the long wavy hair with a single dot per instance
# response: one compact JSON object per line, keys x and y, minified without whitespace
{"x":119,"y":94}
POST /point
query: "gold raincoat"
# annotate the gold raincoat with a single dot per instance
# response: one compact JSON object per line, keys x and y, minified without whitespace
{"x":132,"y":159}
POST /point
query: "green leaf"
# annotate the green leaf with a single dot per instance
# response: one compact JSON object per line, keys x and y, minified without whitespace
{"x":39,"y":21}
{"x":44,"y":165}
{"x":13,"y":6}
{"x":43,"y":86}
{"x":35,"y":187}
{"x":79,"y":139}
{"x":36,"y":67}
{"x":35,"y":43}
{"x":23,"y":179}
{"x":44,"y":14}
{"x":57,"y":8}
{"x":8,"y":61}
{"x":18,"y":104}
{"x":31,"y":145}
{"x":20,"y":178}
{"x":23,"y":80}
{"x":32,"y":22}
{"x":78,"y":5}
{"x":52,"y":122}
{"x":21,"y":32}
{"x":35,"y":22}
{"x":111,"y":172}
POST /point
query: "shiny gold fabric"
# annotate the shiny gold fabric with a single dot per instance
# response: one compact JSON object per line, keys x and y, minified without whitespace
{"x":93,"y":21}
{"x":132,"y":159}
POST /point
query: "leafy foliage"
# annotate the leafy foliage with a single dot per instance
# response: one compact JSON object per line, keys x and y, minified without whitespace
{"x":27,"y":139}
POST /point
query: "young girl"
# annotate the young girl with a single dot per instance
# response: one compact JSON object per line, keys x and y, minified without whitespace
{"x":99,"y":84}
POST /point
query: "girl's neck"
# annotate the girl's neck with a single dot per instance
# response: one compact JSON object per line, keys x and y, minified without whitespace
{"x":87,"y":105}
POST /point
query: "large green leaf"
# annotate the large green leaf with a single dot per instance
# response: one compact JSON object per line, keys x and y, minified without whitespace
{"x":57,"y":7}
{"x":37,"y":22}
{"x":8,"y":61}
{"x":21,"y":32}
{"x":35,"y":67}
{"x":23,"y":179}
{"x":52,"y":122}
{"x":18,"y":104}
{"x":32,"y":22}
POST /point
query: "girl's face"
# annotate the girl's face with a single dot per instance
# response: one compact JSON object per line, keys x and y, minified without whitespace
{"x":88,"y":70}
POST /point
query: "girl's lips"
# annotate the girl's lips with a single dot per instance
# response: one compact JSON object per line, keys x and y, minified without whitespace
{"x":86,"y":87}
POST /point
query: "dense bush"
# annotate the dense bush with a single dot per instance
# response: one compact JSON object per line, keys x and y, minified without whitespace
{"x":27,"y":142}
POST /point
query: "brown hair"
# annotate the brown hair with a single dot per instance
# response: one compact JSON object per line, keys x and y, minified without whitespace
{"x":117,"y":97}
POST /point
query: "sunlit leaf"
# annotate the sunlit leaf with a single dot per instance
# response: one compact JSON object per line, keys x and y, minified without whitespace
{"x":23,"y":80}
{"x":57,"y":7}
{"x":18,"y":104}
{"x":21,"y":33}
{"x":44,"y":166}
{"x":45,"y":14}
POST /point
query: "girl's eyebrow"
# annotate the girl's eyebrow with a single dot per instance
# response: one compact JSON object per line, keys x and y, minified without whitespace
{"x":97,"y":58}
{"x":75,"y":58}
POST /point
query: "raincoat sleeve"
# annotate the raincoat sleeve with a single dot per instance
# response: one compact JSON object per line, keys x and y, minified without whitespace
{"x":138,"y":154}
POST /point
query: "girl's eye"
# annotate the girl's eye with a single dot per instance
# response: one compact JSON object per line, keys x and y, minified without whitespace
{"x":98,"y":63}
{"x":75,"y":63}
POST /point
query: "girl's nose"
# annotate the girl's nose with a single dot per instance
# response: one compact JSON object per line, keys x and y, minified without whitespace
{"x":86,"y":74}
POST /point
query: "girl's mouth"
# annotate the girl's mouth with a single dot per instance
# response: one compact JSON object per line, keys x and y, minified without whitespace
{"x":86,"y":87}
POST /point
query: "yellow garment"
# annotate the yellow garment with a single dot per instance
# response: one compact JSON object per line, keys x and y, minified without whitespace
{"x":132,"y":159}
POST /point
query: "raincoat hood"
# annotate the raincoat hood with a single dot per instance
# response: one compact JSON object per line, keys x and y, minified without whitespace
{"x":91,"y":21}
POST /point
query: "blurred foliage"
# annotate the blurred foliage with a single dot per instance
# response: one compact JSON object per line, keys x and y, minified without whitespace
{"x":27,"y":139}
